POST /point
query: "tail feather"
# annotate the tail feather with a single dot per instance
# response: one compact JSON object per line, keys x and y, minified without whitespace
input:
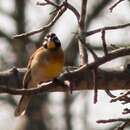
{"x":21,"y":108}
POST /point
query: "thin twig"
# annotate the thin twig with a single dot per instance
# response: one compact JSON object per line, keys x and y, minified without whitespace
{"x":113,"y":46}
{"x":48,"y":2}
{"x":109,"y":93}
{"x":91,"y":51}
{"x":114,"y":120}
{"x":104,"y":42}
{"x":62,"y":9}
{"x":41,"y":4}
{"x":73,"y":9}
{"x":122,"y":126}
{"x":114,"y":5}
{"x":120,"y":97}
{"x":89,"y":48}
{"x":126,"y":111}
{"x":89,"y":33}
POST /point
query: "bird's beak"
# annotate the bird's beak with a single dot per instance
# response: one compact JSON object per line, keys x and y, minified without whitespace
{"x":51,"y":44}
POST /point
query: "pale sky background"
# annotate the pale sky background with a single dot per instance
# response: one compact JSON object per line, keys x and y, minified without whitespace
{"x":35,"y":16}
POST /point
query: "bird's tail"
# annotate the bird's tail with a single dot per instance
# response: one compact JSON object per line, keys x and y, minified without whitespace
{"x":23,"y":103}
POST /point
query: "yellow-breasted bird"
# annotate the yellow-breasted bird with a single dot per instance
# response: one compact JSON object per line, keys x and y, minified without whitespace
{"x":45,"y":64}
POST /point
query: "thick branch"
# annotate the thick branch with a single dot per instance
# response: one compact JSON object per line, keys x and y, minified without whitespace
{"x":111,"y":80}
{"x":82,"y":77}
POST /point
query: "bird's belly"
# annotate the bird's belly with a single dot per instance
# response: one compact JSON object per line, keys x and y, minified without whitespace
{"x":52,"y":71}
{"x":46,"y":72}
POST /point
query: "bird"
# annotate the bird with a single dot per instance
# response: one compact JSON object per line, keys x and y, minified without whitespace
{"x":45,"y":64}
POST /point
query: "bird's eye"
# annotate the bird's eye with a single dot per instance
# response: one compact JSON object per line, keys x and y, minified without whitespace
{"x":55,"y":39}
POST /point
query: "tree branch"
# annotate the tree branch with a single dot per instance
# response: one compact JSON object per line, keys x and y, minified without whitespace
{"x":89,"y":33}
{"x":104,"y":42}
{"x":114,"y":120}
{"x":82,"y":77}
{"x":115,"y":4}
{"x":60,"y":9}
{"x":81,"y":42}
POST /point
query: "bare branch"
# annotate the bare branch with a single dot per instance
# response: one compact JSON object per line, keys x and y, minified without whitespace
{"x":73,"y":9}
{"x":121,"y":126}
{"x":82,"y":50}
{"x":120,"y":97}
{"x":60,"y":10}
{"x":115,"y":4}
{"x":48,"y":2}
{"x":82,"y":54}
{"x":91,"y":51}
{"x":83,"y":14}
{"x":80,"y":77}
{"x":126,"y":111}
{"x":89,"y":33}
{"x":104,"y":42}
{"x":59,"y":13}
{"x":110,"y":80}
{"x":45,"y":87}
{"x":114,"y":120}
{"x":109,"y":93}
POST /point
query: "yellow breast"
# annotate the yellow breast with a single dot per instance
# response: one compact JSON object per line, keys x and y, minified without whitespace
{"x":47,"y":65}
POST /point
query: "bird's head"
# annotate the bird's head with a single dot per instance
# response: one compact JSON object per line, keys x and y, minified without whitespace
{"x":51,"y":41}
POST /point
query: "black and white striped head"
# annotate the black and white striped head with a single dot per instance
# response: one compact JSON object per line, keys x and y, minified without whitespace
{"x":51,"y":41}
